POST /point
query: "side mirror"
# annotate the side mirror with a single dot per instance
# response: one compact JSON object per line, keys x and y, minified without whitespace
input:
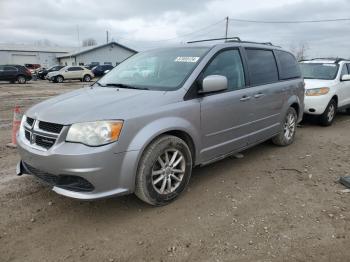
{"x":345,"y":78}
{"x":214,"y":83}
{"x":105,"y":72}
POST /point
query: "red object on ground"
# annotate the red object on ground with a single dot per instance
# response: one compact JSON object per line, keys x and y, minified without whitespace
{"x":17,"y":116}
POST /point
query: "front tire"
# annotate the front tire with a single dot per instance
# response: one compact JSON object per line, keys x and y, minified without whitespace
{"x":287,"y":134}
{"x":164,"y":170}
{"x":87,"y":78}
{"x":59,"y":79}
{"x":327,"y":118}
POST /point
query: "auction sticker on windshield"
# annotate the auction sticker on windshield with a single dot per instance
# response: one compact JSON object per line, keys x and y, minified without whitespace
{"x":187,"y":59}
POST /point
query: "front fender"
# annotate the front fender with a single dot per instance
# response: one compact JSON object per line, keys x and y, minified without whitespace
{"x":160,"y":126}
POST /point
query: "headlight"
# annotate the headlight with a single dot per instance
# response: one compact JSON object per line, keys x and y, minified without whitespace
{"x":21,"y":127}
{"x":95,"y":133}
{"x":317,"y":91}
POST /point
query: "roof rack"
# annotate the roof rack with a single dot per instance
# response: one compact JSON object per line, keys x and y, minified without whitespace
{"x":231,"y":39}
{"x":236,"y":39}
{"x":336,"y":59}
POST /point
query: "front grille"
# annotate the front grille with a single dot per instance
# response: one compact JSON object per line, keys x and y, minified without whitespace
{"x":41,"y":134}
{"x":30,"y":121}
{"x":50,"y":127}
{"x":72,"y":183}
{"x":27,"y":134}
{"x":44,"y":142}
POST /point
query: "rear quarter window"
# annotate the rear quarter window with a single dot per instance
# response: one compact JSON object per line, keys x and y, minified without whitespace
{"x":262,"y":66}
{"x":289,"y":67}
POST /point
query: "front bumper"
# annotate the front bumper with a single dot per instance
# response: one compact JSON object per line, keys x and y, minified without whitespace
{"x":109,"y":173}
{"x":316,"y":105}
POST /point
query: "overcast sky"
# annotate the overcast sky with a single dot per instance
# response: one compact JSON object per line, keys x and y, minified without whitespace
{"x":144,"y":24}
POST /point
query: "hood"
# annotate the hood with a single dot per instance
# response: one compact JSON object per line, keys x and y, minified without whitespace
{"x":101,"y":103}
{"x":318,"y":83}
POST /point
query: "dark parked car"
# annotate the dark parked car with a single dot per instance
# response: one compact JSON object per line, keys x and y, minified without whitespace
{"x":100,"y":69}
{"x":91,"y":65}
{"x":13,"y":73}
{"x":43,"y":72}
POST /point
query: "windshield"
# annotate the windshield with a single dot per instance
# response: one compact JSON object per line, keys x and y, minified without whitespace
{"x":324,"y":71}
{"x":162,"y":69}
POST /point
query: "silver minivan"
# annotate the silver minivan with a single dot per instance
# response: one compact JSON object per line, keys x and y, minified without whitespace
{"x":143,"y":126}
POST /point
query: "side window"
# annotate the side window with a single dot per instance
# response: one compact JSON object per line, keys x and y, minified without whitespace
{"x":227,"y":63}
{"x":71,"y":69}
{"x":344,"y":70}
{"x":10,"y":68}
{"x":262,"y":66}
{"x":348,"y":65}
{"x":289,"y":68}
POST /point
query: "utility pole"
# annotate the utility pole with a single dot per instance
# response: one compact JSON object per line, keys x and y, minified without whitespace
{"x":226,"y":31}
{"x":107,"y":36}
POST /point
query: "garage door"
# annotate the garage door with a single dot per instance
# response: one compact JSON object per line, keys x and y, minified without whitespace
{"x":21,"y":59}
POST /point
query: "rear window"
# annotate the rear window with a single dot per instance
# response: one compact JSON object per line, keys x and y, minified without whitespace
{"x":262,"y":66}
{"x":289,"y":67}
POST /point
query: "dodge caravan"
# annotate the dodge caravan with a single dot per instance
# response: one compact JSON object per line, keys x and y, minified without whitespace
{"x":143,"y":126}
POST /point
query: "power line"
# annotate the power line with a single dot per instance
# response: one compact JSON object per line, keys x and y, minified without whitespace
{"x":289,"y":22}
{"x":179,"y":36}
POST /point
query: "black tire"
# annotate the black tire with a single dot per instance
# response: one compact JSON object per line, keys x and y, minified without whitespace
{"x":59,"y":79}
{"x":327,"y":118}
{"x":21,"y":79}
{"x":147,"y":187}
{"x":287,"y":134}
{"x":86,"y":78}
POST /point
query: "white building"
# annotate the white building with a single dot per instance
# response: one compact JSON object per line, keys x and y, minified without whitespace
{"x":25,"y":54}
{"x":111,"y":53}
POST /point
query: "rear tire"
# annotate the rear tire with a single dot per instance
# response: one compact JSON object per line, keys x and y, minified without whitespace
{"x":287,"y":134}
{"x":163,"y":171}
{"x":87,"y":78}
{"x":21,"y":80}
{"x":327,"y":118}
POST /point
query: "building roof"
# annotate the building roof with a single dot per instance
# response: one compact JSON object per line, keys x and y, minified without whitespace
{"x":91,"y":48}
{"x":32,"y":48}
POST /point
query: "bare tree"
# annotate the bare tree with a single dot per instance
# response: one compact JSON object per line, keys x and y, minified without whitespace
{"x":89,"y":42}
{"x":300,"y":51}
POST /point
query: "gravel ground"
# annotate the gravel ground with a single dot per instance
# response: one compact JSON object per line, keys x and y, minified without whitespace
{"x":274,"y":204}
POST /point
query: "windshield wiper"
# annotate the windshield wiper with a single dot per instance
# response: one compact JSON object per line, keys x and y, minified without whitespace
{"x":99,"y":84}
{"x":125,"y":86}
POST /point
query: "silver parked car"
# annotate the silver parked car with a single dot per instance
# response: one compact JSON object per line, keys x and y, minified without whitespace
{"x":143,"y":127}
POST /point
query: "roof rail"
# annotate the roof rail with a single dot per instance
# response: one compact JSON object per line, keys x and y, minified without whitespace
{"x":227,"y":39}
{"x":336,"y":59}
{"x":231,"y":39}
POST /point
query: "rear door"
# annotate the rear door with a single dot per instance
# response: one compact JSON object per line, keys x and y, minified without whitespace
{"x":225,"y":115}
{"x":268,"y":96}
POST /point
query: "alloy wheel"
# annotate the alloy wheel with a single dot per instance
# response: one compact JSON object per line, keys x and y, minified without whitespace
{"x":289,"y":126}
{"x":168,"y":171}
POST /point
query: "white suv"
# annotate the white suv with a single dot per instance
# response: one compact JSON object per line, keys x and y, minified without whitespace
{"x":70,"y":73}
{"x":327,"y":87}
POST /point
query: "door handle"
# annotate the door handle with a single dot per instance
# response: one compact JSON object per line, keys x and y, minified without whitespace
{"x":245,"y":98}
{"x":259,"y":95}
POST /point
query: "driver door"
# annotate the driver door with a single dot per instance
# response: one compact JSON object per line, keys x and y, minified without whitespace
{"x":226,"y":116}
{"x":344,"y":88}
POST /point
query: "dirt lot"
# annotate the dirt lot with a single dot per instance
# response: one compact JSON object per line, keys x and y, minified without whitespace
{"x":275,"y":204}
